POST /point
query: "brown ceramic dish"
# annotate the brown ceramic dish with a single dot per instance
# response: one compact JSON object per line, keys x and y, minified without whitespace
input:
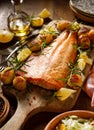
{"x":4,"y":108}
{"x":81,"y":113}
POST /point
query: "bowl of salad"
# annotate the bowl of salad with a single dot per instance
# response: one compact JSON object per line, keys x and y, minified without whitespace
{"x":72,"y":120}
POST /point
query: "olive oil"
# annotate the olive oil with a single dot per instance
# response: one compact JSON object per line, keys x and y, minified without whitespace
{"x":19,"y":26}
{"x":18,"y":21}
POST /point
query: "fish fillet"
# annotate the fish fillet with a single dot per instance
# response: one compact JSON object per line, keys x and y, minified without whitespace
{"x":46,"y":69}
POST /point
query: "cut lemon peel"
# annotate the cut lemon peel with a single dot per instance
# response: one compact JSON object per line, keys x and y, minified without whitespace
{"x":64,"y":93}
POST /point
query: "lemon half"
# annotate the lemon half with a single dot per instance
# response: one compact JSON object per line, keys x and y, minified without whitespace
{"x":6,"y":36}
{"x":37,"y":21}
{"x":64,"y":93}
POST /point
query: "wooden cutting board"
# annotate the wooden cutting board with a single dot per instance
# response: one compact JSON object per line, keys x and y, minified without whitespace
{"x":34,"y":100}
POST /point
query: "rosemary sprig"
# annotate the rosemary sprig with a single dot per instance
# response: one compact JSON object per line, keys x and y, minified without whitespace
{"x":44,"y":44}
{"x":73,"y":69}
{"x":63,"y":79}
{"x":15,"y":64}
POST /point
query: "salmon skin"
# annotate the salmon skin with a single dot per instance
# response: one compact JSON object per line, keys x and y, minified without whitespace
{"x":51,"y":64}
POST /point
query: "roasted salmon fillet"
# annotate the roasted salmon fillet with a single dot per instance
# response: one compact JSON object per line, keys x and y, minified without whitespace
{"x":49,"y":68}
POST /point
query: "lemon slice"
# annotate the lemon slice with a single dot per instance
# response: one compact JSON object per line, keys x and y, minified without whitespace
{"x":44,"y":13}
{"x":64,"y":93}
{"x":5,"y":36}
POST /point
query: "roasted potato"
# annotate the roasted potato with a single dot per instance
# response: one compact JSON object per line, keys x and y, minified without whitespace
{"x":91,"y":35}
{"x":61,"y":25}
{"x":7,"y":75}
{"x":47,"y":37}
{"x":35,"y":45}
{"x":19,"y":83}
{"x":75,"y":81}
{"x":84,"y":41}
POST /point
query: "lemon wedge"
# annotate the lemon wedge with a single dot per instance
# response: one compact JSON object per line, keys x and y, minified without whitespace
{"x":24,"y":54}
{"x":83,"y":60}
{"x":61,"y":126}
{"x":81,"y":64}
{"x":5,"y":36}
{"x":37,"y":22}
{"x":44,"y":13}
{"x":64,"y":93}
{"x":85,"y":57}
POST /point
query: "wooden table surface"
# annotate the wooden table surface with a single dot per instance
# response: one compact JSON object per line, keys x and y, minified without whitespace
{"x":59,"y":9}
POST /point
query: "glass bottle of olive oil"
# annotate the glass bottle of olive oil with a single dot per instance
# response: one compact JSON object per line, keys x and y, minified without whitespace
{"x":18,"y":21}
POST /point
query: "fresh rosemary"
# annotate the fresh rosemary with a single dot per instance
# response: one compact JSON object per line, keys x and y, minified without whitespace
{"x":73,"y":69}
{"x":16,"y":65}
